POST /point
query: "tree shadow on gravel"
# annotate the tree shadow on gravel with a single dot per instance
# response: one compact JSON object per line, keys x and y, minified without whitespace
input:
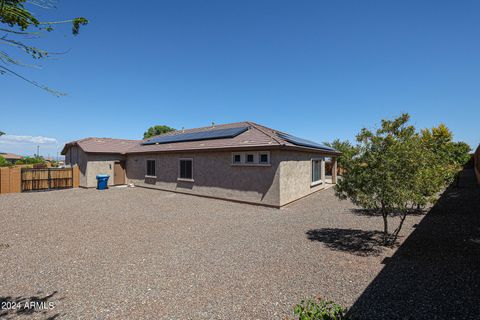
{"x":377,"y":213}
{"x":435,"y":274}
{"x":354,"y":241}
{"x":18,"y":306}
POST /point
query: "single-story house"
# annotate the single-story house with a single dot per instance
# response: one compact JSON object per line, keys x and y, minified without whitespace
{"x":11,"y":157}
{"x":99,"y":156}
{"x":241,"y":161}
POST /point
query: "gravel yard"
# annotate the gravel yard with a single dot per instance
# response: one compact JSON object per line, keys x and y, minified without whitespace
{"x":139,"y":253}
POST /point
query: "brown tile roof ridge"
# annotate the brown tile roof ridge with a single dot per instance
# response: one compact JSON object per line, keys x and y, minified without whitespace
{"x":271,"y":134}
{"x":91,"y":144}
{"x":109,"y":139}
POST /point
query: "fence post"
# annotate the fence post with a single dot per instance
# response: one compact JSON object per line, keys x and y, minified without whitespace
{"x":15,"y":180}
{"x":4,"y":180}
{"x":75,"y":176}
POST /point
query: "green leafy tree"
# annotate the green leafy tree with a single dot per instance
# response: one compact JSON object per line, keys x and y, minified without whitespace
{"x":2,"y":133}
{"x":157,"y":130}
{"x":440,"y":162}
{"x":396,"y":169}
{"x":31,"y":160}
{"x":4,"y":162}
{"x":346,"y":148}
{"x":19,"y":23}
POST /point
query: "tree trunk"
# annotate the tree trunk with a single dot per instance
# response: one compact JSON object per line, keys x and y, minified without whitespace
{"x":385,"y":224}
{"x":397,"y":231}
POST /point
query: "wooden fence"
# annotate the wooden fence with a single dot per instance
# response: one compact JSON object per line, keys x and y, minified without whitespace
{"x":18,"y":179}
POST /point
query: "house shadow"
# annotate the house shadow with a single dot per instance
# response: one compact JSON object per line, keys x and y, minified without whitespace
{"x":35,"y":306}
{"x":435,"y":273}
{"x":354,"y":241}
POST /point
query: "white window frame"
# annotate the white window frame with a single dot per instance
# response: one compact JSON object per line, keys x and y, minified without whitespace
{"x":253,"y":154}
{"x":179,"y":170}
{"x":267,"y":153}
{"x":146,"y":168}
{"x":237,"y":154}
{"x":256,"y":159}
{"x":320,"y":181}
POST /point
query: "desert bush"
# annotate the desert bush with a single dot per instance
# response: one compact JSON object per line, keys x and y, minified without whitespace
{"x":318,"y":309}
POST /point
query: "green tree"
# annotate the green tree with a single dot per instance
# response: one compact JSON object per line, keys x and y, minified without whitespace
{"x":31,"y":160}
{"x":397,"y":169}
{"x":4,"y":162}
{"x":157,"y":130}
{"x":21,"y":24}
{"x":346,"y":148}
{"x":450,"y":155}
{"x":2,"y":133}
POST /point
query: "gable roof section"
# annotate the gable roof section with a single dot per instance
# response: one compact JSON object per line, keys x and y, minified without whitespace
{"x":255,"y":136}
{"x":102,"y":145}
{"x":10,"y":156}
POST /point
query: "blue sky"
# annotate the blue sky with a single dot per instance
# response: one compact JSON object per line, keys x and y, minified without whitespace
{"x":317,"y":69}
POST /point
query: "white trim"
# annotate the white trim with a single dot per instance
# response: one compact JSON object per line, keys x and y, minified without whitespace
{"x":316,"y":183}
{"x":260,"y":156}
{"x":233,"y":158}
{"x":178,"y":175}
{"x":251,"y":165}
{"x":150,"y":177}
{"x":320,"y":181}
{"x":256,"y":159}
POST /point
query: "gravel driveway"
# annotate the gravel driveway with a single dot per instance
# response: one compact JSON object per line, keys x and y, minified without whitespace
{"x":138,"y":253}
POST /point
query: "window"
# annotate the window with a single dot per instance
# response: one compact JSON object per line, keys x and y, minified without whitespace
{"x":316,"y":171}
{"x":264,"y":158}
{"x":151,"y":168}
{"x":251,"y":158}
{"x":186,"y":169}
{"x":237,"y":158}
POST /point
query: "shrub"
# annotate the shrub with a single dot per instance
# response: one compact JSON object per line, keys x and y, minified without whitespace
{"x":4,"y":163}
{"x":30,"y":160}
{"x":319,"y":309}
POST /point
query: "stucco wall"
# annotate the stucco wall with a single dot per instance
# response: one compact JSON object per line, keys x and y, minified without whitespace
{"x":92,"y":164}
{"x":76,"y":156}
{"x":296,"y":175}
{"x":101,"y":164}
{"x":213,"y":176}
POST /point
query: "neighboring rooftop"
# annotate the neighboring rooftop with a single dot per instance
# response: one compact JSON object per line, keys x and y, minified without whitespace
{"x":225,"y":136}
{"x":10,"y":156}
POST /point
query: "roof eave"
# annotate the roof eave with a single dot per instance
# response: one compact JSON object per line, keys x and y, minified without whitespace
{"x":317,"y":150}
{"x":239,"y":148}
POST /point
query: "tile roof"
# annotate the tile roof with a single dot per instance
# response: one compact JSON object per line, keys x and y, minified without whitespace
{"x":102,"y":145}
{"x":10,"y":156}
{"x":256,"y":136}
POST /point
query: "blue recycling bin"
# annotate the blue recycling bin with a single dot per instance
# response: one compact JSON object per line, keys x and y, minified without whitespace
{"x":102,"y":181}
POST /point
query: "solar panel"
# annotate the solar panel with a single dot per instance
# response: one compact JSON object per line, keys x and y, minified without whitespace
{"x":303,"y":142}
{"x":196,"y":136}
